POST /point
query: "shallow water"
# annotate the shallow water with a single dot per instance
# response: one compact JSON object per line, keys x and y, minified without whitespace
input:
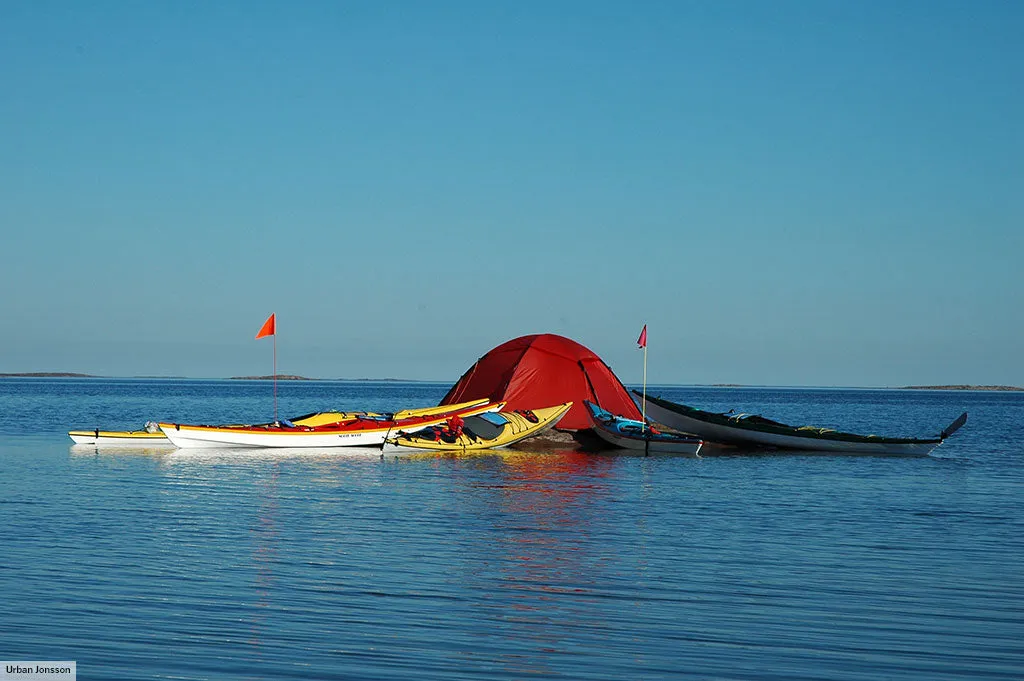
{"x":145,"y":564}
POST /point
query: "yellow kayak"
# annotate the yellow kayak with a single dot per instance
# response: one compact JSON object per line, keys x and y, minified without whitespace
{"x":484,"y":431}
{"x":132,"y":438}
{"x":324,"y":418}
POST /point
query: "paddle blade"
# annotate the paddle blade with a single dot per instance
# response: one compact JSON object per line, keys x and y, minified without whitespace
{"x":953,"y":427}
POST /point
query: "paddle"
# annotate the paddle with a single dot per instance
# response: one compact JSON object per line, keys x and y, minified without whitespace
{"x":953,"y":427}
{"x":385,"y":442}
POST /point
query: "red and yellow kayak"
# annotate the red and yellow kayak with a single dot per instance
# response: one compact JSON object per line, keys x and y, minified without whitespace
{"x":355,"y":430}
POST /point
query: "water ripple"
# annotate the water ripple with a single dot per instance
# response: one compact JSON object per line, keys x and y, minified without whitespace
{"x":328,"y":565}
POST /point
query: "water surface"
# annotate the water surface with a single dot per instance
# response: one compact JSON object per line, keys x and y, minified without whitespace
{"x":335,"y":564}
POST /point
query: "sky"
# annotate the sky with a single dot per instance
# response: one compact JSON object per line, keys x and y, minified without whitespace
{"x":819,"y":193}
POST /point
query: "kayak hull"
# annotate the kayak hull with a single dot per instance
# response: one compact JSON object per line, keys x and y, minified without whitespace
{"x":630,"y":434}
{"x":126,"y":438}
{"x":362,"y":431}
{"x":324,"y":418}
{"x":742,"y":431}
{"x":504,"y":428}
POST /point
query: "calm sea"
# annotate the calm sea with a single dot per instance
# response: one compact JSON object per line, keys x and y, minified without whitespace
{"x":338,"y":564}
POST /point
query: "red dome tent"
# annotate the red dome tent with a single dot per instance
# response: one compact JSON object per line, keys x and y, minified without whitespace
{"x":541,"y":371}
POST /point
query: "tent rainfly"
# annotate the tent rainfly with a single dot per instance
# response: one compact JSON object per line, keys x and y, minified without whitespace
{"x":543,"y":370}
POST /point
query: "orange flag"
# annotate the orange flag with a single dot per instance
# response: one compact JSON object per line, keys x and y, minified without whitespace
{"x":269,"y":327}
{"x":641,"y":341}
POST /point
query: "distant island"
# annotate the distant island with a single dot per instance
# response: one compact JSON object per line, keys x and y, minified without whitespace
{"x":388,"y":380}
{"x":280,"y":377}
{"x":48,"y":374}
{"x":962,"y":387}
{"x":293,"y":377}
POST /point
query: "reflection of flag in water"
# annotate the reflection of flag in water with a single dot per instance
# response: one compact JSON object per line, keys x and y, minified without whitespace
{"x":269,"y":327}
{"x":641,"y":341}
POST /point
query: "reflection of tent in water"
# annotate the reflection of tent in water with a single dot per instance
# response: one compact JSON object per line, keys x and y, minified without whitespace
{"x":541,"y":371}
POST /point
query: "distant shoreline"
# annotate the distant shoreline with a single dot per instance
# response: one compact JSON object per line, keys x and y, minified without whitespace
{"x":295,"y":377}
{"x":49,"y":374}
{"x":292,"y":377}
{"x":280,"y":377}
{"x":1011,"y":388}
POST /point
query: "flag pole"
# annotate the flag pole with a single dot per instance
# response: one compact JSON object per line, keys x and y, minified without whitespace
{"x":275,"y":373}
{"x":269,"y":328}
{"x":643,"y":410}
{"x":642,"y":342}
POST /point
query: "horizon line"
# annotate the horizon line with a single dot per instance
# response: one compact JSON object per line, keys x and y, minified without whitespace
{"x":292,"y":378}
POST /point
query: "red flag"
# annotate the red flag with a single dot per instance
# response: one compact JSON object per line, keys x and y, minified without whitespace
{"x":269,"y":327}
{"x":642,"y":340}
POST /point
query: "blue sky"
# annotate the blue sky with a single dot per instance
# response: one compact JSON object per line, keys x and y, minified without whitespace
{"x":787,"y":193}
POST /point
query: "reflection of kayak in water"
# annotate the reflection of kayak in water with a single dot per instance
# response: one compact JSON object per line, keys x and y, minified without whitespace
{"x":151,"y":436}
{"x":484,"y":431}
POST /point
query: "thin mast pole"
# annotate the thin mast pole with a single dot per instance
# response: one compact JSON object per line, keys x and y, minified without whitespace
{"x":643,"y":410}
{"x":275,"y":374}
